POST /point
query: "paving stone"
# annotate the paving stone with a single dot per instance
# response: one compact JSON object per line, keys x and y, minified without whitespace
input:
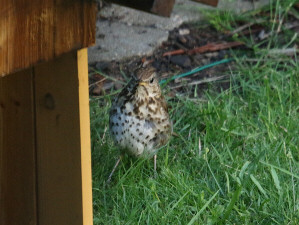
{"x":124,"y":32}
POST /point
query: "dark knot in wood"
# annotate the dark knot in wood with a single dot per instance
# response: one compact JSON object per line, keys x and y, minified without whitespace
{"x":49,"y":101}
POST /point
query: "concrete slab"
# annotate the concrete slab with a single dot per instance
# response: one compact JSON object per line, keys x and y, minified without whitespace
{"x":128,"y":32}
{"x":240,"y":6}
{"x":123,"y":32}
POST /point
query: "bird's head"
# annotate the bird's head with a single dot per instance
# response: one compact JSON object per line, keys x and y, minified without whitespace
{"x":147,"y":83}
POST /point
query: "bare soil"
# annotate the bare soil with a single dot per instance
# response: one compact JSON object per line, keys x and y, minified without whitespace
{"x":112,"y":75}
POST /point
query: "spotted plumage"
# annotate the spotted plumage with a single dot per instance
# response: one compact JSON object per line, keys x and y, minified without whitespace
{"x":139,"y":120}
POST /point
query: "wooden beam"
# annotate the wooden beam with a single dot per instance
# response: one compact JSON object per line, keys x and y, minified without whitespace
{"x":63,"y":142}
{"x":208,"y":2}
{"x":17,"y":150}
{"x":40,"y":30}
{"x":159,"y":7}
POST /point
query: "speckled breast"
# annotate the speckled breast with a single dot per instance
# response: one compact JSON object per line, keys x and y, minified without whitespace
{"x":138,"y":137}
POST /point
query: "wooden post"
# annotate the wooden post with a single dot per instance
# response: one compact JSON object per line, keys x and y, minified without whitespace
{"x":45,"y":162}
{"x":17,"y":150}
{"x":63,"y":140}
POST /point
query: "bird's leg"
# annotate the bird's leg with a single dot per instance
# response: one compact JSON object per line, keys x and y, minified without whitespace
{"x":155,"y":164}
{"x":114,"y":168}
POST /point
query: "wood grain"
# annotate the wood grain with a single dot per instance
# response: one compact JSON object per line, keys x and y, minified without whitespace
{"x":61,"y":110}
{"x":17,"y":150}
{"x":40,"y":30}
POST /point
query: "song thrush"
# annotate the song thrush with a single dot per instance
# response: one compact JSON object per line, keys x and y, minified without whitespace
{"x":139,"y":120}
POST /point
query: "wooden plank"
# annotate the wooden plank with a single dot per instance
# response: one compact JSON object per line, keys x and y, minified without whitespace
{"x":85,"y":136}
{"x":48,"y":27}
{"x":17,"y":150}
{"x":63,"y":171}
{"x":208,"y":2}
{"x":159,"y":7}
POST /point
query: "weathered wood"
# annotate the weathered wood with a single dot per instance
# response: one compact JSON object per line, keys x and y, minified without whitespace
{"x":39,"y":30}
{"x":208,"y":2}
{"x":17,"y":150}
{"x":64,"y":169}
{"x":159,"y":7}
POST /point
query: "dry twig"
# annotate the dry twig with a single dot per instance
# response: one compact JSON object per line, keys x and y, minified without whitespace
{"x":207,"y":80}
{"x":211,"y":47}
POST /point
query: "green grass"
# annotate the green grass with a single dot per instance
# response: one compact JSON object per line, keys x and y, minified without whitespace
{"x":248,"y":169}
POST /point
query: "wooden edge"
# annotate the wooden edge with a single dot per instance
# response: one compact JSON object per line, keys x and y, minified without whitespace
{"x":82,"y":60}
{"x":159,"y":7}
{"x":163,"y":8}
{"x":208,"y":2}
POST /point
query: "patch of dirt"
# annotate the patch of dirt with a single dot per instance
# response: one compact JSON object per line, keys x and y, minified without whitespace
{"x":197,"y":45}
{"x":186,"y":37}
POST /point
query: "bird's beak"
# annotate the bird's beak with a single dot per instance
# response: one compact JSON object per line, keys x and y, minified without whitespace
{"x":143,"y":84}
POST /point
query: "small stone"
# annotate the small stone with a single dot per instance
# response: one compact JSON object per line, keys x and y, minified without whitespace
{"x":181,"y":60}
{"x":97,"y":90}
{"x":261,"y":35}
{"x":182,"y":39}
{"x":102,"y":66}
{"x":184,"y":31}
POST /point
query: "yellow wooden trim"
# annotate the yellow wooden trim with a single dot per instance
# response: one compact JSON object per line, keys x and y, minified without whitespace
{"x":85,"y":136}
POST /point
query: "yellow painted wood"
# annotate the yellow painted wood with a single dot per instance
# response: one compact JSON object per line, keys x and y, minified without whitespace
{"x":85,"y":136}
{"x":17,"y":150}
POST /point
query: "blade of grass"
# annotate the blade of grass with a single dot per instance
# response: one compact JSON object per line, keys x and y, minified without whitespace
{"x":281,"y":169}
{"x":257,"y":183}
{"x":175,"y":205}
{"x":275,"y":179}
{"x":202,"y":209}
{"x":230,"y":206}
{"x":215,"y":178}
{"x":108,"y":77}
{"x":227,"y":182}
{"x":244,"y":167}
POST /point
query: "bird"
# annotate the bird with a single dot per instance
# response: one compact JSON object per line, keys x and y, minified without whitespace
{"x":139,"y":121}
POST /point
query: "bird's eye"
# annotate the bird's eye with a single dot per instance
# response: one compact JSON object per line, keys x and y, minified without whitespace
{"x":152,"y":80}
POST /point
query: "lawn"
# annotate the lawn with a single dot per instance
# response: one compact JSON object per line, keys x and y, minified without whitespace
{"x":245,"y":169}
